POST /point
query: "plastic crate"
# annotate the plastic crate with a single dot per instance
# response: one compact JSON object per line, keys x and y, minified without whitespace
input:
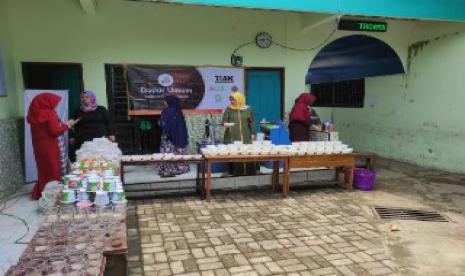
{"x":269,"y":164}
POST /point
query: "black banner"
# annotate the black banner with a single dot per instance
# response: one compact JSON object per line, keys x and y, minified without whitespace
{"x":149,"y":84}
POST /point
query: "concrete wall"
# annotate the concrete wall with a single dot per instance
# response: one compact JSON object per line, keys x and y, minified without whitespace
{"x":11,"y":166}
{"x":128,"y":32}
{"x":397,"y":121}
{"x":418,"y":117}
{"x":11,"y":171}
{"x":8,"y":104}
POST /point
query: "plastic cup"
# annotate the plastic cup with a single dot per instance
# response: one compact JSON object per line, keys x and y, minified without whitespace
{"x":66,"y":178}
{"x":118,"y":196}
{"x":108,"y":172}
{"x":73,"y":182}
{"x":82,"y":195}
{"x":68,"y":196}
{"x":92,"y":184}
{"x":108,"y":184}
{"x":82,"y":182}
{"x":101,"y":198}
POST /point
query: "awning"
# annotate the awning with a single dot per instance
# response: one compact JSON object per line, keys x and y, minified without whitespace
{"x":448,"y":10}
{"x":353,"y":57}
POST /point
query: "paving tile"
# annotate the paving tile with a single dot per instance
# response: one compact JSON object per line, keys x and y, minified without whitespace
{"x":254,"y":234}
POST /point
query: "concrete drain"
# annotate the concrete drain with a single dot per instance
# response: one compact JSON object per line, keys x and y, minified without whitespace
{"x":408,"y":214}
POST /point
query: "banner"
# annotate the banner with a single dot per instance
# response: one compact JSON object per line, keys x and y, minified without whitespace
{"x":62,"y":111}
{"x":197,"y":87}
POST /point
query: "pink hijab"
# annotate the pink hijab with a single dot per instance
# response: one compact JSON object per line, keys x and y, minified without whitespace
{"x":93,"y":102}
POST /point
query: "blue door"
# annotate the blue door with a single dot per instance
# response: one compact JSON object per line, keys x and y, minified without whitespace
{"x":263,"y":91}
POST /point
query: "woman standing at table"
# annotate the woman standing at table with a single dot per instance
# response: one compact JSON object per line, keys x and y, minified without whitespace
{"x":300,"y":118}
{"x":47,"y":140}
{"x":94,"y":121}
{"x":239,"y":122}
{"x":174,"y":138}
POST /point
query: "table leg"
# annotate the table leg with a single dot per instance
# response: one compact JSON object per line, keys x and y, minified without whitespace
{"x":337,"y":172}
{"x":275,"y":176}
{"x":372,"y":163}
{"x":209,"y":181}
{"x":286,"y":177}
{"x":121,"y":167}
{"x":350,"y":178}
{"x":197,"y":179}
{"x":202,"y":169}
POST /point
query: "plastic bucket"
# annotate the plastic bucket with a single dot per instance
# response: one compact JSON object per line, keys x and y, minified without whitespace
{"x":364,"y":179}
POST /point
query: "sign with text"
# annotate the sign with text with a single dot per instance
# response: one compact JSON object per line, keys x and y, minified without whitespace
{"x":196,"y":87}
{"x":363,"y":26}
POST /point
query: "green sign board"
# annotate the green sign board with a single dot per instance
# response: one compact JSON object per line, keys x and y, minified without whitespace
{"x":363,"y":26}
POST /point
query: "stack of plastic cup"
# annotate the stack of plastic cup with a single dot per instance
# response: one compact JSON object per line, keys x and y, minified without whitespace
{"x":93,"y":184}
{"x":101,"y":198}
{"x":118,"y":196}
{"x":108,"y":184}
{"x":68,"y":196}
{"x":82,"y":195}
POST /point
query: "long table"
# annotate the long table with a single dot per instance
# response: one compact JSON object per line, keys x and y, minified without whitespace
{"x":200,"y":168}
{"x":209,"y":160}
{"x":204,"y":169}
{"x":346,"y":161}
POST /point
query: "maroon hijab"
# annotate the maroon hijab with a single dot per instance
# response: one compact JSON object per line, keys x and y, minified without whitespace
{"x":301,"y":112}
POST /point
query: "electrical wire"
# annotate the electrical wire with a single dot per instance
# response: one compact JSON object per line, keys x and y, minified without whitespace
{"x":242,"y":45}
{"x":294,"y":48}
{"x":11,"y":198}
{"x":17,"y":241}
{"x":5,"y":206}
{"x":315,"y":47}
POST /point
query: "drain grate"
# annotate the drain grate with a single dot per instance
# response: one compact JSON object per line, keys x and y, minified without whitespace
{"x":409,"y":214}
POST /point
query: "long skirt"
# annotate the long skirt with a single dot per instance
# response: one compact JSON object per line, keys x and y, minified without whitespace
{"x":299,"y":131}
{"x":172,"y":169}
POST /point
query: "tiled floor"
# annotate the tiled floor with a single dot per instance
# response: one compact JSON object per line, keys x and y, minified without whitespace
{"x":11,"y":229}
{"x":260,"y":233}
{"x":315,"y":231}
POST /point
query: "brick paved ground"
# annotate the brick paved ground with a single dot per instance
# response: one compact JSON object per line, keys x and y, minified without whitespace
{"x":313,"y":232}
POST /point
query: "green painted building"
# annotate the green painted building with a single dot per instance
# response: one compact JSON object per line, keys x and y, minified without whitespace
{"x":413,"y":117}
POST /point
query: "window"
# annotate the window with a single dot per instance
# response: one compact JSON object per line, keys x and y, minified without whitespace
{"x":349,"y":93}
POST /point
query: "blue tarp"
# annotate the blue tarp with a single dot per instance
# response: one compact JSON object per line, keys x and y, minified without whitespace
{"x":353,"y":57}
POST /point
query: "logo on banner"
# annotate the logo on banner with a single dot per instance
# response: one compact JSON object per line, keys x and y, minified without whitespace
{"x":165,"y":80}
{"x":224,"y":79}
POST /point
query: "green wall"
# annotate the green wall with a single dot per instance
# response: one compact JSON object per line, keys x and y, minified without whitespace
{"x":8,"y":104}
{"x":418,"y":117}
{"x":400,"y":117}
{"x":128,"y":32}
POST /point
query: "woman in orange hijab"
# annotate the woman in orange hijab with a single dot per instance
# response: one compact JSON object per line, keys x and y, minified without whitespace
{"x":46,"y":128}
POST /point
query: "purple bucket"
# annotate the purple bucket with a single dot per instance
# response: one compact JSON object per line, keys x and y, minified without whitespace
{"x":364,"y":179}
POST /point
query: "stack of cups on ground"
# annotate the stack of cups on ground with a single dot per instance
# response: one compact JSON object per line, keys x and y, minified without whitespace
{"x":99,"y":187}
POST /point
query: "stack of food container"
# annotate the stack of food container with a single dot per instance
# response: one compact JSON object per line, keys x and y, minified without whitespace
{"x":92,"y":181}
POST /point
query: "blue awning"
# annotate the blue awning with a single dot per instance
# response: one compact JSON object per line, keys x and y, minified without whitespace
{"x":353,"y":57}
{"x":453,"y":10}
